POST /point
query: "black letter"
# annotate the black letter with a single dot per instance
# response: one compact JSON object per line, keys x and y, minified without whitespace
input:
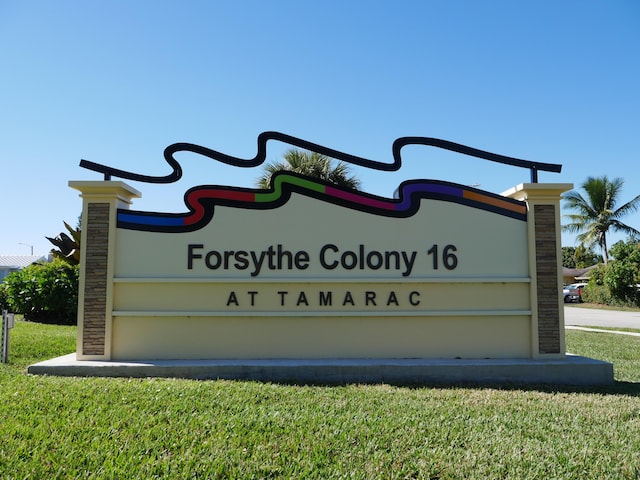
{"x":322,"y":261}
{"x":392,"y":299}
{"x":271,"y":252}
{"x":378,"y":260}
{"x":207,"y":260}
{"x":325,"y":298}
{"x":242,"y":262}
{"x":302,"y":260}
{"x":370,"y":296}
{"x":284,"y":254}
{"x":349,"y":255}
{"x":302,"y":298}
{"x":191,"y":255}
{"x":253,"y":296}
{"x":348,"y":299}
{"x":282,"y":294}
{"x":412,"y":301}
{"x":232,"y":299}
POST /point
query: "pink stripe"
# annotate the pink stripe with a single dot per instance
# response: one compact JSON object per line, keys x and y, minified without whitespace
{"x":361,"y":199}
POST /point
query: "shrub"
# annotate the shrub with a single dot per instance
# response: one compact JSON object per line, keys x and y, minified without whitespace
{"x":621,"y":278}
{"x":44,"y":292}
{"x":616,"y":283}
{"x":4,"y":304}
{"x":595,"y":293}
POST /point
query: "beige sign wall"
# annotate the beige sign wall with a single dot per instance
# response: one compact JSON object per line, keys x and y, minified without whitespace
{"x":311,"y":279}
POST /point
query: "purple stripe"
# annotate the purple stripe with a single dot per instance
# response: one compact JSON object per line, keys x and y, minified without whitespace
{"x":412,"y":188}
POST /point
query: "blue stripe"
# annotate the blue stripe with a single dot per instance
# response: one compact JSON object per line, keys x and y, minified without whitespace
{"x":151,"y":220}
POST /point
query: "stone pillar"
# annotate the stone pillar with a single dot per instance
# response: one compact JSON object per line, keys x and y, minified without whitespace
{"x":101,"y":200}
{"x":545,"y":265}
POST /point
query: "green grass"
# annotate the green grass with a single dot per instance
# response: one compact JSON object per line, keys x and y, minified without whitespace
{"x":621,"y":350}
{"x":166,"y":428}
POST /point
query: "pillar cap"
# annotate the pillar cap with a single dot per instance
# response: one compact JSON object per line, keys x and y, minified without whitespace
{"x":526,"y":191}
{"x":105,"y":190}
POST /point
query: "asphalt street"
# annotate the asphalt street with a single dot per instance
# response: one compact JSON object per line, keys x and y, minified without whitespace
{"x":593,"y":317}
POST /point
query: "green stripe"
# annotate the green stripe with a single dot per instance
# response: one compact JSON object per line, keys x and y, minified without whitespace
{"x":290,"y":179}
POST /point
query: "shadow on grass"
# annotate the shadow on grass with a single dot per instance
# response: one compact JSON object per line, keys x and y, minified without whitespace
{"x":618,"y":388}
{"x":631,"y":389}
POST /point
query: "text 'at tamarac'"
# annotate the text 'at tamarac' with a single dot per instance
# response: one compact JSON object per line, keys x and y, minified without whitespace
{"x":328,"y":298}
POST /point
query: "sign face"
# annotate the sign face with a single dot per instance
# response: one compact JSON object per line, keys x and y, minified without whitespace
{"x":307,"y":256}
{"x":308,"y":239}
{"x":306,"y":269}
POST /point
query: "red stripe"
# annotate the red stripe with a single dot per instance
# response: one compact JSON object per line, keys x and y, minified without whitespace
{"x":194,"y":201}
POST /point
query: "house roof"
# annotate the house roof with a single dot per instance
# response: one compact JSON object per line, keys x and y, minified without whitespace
{"x":577,"y":273}
{"x":19,"y":261}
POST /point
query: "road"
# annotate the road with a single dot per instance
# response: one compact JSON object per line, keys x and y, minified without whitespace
{"x":600,"y":318}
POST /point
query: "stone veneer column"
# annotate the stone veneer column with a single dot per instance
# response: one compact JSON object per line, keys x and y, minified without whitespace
{"x":545,"y":265}
{"x":101,"y":200}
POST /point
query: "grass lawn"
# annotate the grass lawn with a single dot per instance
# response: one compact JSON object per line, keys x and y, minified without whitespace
{"x":166,"y":428}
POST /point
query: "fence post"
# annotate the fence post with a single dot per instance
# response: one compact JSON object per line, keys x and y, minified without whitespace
{"x":7,"y":323}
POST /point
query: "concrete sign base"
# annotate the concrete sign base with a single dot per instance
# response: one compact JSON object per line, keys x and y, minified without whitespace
{"x":569,"y":370}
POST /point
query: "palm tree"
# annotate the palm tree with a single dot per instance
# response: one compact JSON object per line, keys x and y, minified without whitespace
{"x":311,"y":164}
{"x":597,"y":212}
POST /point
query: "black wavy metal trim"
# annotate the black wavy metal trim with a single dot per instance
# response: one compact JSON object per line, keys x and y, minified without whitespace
{"x":261,"y":156}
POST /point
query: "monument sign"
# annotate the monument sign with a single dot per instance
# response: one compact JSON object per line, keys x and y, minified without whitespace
{"x":306,"y":270}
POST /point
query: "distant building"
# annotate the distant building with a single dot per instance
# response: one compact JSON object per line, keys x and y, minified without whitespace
{"x":573,"y":275}
{"x":13,"y":263}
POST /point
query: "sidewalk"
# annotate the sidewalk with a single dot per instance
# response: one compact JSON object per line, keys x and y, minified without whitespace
{"x":599,"y":330}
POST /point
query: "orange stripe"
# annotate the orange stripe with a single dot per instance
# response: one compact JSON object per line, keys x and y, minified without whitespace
{"x":495,"y":202}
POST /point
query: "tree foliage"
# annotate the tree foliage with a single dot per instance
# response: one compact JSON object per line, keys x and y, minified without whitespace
{"x":311,"y":164}
{"x":596,"y":213}
{"x":43,"y":292}
{"x":579,"y":257}
{"x":617,"y":283}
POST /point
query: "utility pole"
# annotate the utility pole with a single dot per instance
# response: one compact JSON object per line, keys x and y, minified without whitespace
{"x":27,"y":245}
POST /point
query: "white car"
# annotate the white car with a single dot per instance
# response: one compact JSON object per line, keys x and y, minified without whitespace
{"x":573,"y":292}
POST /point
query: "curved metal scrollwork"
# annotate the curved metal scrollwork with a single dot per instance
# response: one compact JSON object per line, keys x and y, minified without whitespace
{"x":261,"y":156}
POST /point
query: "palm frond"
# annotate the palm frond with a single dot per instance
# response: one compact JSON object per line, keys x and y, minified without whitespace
{"x":310,"y":164}
{"x":595,"y":213}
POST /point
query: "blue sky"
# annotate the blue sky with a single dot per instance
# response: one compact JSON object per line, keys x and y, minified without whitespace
{"x":116,"y":82}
